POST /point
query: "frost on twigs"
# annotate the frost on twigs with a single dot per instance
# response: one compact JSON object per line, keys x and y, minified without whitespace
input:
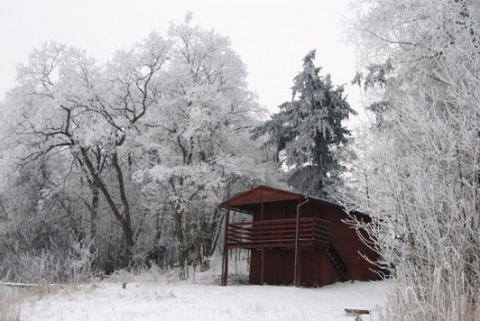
{"x":419,"y":168}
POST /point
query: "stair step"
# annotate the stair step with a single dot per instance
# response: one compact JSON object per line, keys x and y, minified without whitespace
{"x":337,"y":261}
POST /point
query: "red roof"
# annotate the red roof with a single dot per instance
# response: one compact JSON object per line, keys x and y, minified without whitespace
{"x":266,"y":194}
{"x":260,"y":194}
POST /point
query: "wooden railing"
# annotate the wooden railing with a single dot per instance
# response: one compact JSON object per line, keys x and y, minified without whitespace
{"x":278,"y":233}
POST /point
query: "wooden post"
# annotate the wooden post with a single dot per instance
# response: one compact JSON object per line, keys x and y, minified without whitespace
{"x":296,"y":263}
{"x":357,"y":313}
{"x":225,"y":251}
{"x":262,"y":257}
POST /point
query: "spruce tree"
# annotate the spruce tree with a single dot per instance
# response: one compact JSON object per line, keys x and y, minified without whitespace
{"x":308,"y":129}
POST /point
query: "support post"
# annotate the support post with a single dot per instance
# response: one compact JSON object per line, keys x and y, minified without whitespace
{"x":262,"y":256}
{"x":225,"y":251}
{"x":295,"y":266}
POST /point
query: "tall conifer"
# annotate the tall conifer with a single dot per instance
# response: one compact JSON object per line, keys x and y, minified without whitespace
{"x":307,"y":130}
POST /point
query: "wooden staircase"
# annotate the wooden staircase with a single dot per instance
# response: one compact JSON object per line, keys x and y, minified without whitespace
{"x":337,"y":261}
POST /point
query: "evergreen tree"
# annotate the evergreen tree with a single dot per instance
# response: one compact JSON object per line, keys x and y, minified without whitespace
{"x":308,"y":129}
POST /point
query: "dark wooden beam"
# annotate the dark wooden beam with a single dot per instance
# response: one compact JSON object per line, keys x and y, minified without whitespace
{"x":225,"y":251}
{"x":262,"y":258}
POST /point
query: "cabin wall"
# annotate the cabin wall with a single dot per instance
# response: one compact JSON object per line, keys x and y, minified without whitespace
{"x":276,"y":211}
{"x":353,"y":247}
{"x":288,"y":210}
{"x":314,"y":268}
{"x":347,"y":239}
{"x":317,"y":268}
{"x":278,"y":265}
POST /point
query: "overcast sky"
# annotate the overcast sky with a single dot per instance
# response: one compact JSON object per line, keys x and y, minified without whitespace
{"x":271,"y":36}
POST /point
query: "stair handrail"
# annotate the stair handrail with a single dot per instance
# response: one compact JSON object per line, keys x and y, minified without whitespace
{"x":346,"y":260}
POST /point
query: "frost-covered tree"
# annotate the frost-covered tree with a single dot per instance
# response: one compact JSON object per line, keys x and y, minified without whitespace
{"x":308,"y":129}
{"x":129,"y":158}
{"x":201,"y":146}
{"x":423,"y":161}
{"x":87,"y":114}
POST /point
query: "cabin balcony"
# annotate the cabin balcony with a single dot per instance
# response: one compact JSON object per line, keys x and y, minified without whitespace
{"x":312,"y":232}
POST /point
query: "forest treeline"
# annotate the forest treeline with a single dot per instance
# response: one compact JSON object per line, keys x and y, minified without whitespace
{"x":121,"y":164}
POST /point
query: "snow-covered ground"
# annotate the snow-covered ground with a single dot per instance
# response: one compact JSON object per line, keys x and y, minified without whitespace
{"x":165,"y":300}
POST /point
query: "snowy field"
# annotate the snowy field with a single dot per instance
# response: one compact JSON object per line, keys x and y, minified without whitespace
{"x":164,"y":300}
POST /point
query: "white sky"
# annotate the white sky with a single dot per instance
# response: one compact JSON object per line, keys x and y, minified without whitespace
{"x":271,"y":36}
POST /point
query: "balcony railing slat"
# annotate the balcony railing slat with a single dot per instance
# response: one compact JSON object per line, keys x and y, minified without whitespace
{"x":278,"y":233}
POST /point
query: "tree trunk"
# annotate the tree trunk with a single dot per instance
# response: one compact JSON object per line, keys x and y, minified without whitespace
{"x":129,"y":243}
{"x":122,"y":217}
{"x":93,"y":222}
{"x":126,"y":222}
{"x":181,"y":253}
{"x":94,"y":213}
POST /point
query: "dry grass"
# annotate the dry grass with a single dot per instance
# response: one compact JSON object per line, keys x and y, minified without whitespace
{"x":10,"y":303}
{"x":12,"y":298}
{"x":399,"y":309}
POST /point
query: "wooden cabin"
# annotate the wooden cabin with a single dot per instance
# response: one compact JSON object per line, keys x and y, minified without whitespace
{"x":295,"y":239}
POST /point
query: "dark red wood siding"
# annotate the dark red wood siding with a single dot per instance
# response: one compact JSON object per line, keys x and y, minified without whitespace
{"x":319,"y":263}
